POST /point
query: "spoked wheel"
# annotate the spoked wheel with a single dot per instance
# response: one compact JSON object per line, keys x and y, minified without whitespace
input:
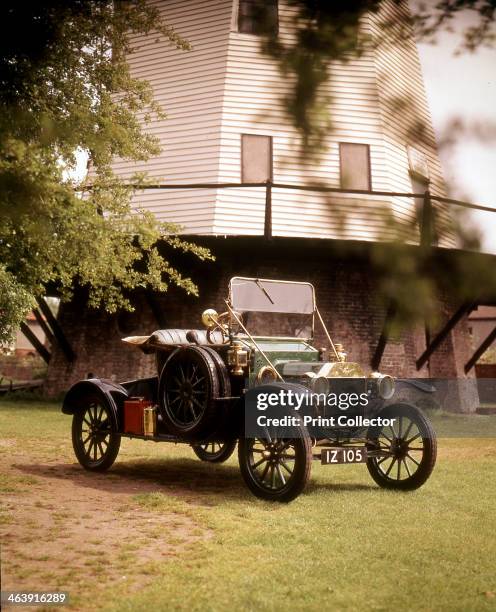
{"x":188,"y":386}
{"x":275,"y":469}
{"x":215,"y":452}
{"x":95,"y":442}
{"x":402,"y":456}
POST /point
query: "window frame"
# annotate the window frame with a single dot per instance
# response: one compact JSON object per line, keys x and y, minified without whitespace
{"x":236,"y":18}
{"x":369,"y":164}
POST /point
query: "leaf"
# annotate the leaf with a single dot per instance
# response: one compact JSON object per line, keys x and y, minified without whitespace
{"x":67,"y":87}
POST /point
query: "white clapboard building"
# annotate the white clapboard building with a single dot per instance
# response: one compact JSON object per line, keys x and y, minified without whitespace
{"x":225,"y":123}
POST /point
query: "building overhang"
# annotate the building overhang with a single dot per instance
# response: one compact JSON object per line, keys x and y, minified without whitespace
{"x":441,"y":260}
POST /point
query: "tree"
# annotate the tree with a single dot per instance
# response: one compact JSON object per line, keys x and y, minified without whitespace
{"x":429,"y":19}
{"x":66,"y":87}
{"x":327,"y":32}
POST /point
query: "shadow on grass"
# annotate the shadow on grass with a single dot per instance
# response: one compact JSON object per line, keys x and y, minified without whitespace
{"x":204,"y":483}
{"x":182,"y":477}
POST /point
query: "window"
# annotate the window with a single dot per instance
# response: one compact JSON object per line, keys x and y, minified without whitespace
{"x":258,"y":16}
{"x":354,"y":163}
{"x":256,"y":158}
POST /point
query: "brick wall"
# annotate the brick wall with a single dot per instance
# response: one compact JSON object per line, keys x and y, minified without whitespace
{"x":345,"y":296}
{"x":486,"y":382}
{"x":20,"y":367}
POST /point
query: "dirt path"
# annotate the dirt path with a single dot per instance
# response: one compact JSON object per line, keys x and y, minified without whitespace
{"x":65,"y":529}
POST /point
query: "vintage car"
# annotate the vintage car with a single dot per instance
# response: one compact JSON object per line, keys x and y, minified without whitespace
{"x":208,"y":388}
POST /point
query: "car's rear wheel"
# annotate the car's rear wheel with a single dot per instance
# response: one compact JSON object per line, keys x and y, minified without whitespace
{"x":275,"y":469}
{"x":188,"y":387}
{"x":215,"y":452}
{"x":402,"y":456}
{"x":94,"y":439}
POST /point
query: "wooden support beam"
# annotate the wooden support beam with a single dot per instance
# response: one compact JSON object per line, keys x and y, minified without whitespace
{"x":427,"y":222}
{"x":157,"y":311}
{"x":268,"y":211}
{"x":31,"y":336}
{"x":427,"y":334}
{"x":44,"y":326}
{"x":384,"y":337}
{"x":480,"y":351}
{"x":443,"y":334}
{"x":57,"y":330}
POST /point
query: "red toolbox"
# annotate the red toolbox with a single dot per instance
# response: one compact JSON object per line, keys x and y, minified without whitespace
{"x":133,"y":414}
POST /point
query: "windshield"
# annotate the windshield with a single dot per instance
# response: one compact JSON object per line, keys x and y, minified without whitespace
{"x":262,"y":295}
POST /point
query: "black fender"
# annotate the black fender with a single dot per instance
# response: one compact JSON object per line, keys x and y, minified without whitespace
{"x":417,"y":384}
{"x":110,"y":392}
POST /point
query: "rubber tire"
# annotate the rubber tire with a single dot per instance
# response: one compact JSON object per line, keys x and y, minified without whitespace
{"x":223,"y":455}
{"x":228,"y":447}
{"x":114,"y":445}
{"x":204,"y":425}
{"x":428,"y":460}
{"x":298,"y":481}
{"x":224,"y":380}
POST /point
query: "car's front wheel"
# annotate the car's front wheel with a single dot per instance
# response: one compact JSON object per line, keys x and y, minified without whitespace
{"x":94,"y":439}
{"x":402,"y":455}
{"x":275,"y":469}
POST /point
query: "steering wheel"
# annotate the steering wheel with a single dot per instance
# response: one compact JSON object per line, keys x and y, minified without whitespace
{"x":222,"y":325}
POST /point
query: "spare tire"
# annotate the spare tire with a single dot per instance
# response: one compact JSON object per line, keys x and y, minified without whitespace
{"x":188,"y":387}
{"x":224,"y":380}
{"x":223,"y":421}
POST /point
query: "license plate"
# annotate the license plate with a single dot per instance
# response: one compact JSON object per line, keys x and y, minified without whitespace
{"x":344,"y":455}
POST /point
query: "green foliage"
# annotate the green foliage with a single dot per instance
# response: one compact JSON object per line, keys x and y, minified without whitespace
{"x":325,"y":32}
{"x":330,"y":33}
{"x":15,"y":302}
{"x":66,"y":87}
{"x":429,"y":20}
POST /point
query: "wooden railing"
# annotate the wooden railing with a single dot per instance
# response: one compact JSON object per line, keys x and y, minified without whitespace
{"x":427,"y":229}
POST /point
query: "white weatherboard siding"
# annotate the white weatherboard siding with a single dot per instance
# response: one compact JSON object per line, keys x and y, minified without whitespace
{"x":225,"y":87}
{"x":403,"y":105}
{"x":189,"y":86}
{"x":252,"y":105}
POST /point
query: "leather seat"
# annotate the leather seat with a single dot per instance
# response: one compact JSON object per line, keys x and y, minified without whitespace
{"x":177,"y":337}
{"x":169,"y":337}
{"x":199,"y":336}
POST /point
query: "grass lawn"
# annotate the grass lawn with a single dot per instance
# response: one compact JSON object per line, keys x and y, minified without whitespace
{"x":344,"y":544}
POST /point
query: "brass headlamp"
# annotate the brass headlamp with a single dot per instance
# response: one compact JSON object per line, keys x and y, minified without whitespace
{"x":385,"y":385}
